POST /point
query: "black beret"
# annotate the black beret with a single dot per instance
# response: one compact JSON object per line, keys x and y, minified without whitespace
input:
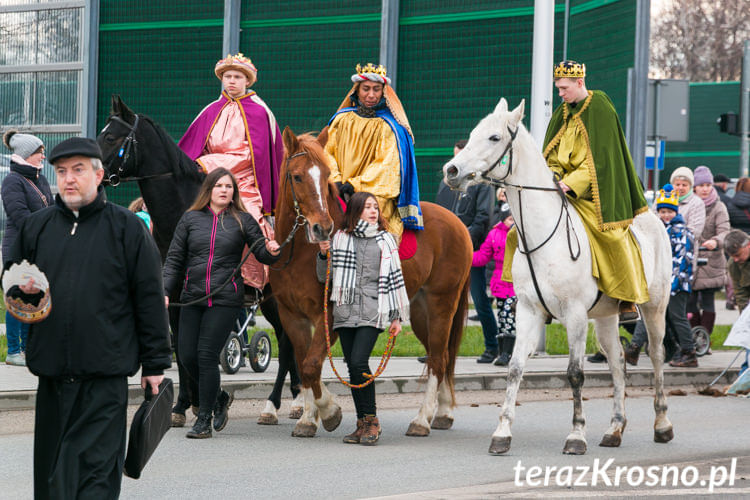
{"x":721,"y":178}
{"x":75,"y":146}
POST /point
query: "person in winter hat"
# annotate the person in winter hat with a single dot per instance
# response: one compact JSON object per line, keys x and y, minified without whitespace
{"x":709,"y":278}
{"x":691,"y":207}
{"x":24,"y":191}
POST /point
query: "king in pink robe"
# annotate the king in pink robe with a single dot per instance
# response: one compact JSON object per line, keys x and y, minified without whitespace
{"x":242,"y":136}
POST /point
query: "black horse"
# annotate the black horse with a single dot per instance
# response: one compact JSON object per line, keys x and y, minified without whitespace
{"x":135,"y":148}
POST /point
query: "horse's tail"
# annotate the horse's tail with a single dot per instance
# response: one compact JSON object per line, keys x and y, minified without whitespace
{"x":454,"y":341}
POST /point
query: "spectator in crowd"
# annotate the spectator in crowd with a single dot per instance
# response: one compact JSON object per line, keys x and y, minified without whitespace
{"x":206,"y":249}
{"x":739,"y":206}
{"x":721,"y":184}
{"x":677,"y":326}
{"x":737,"y":245}
{"x":138,"y":207}
{"x":107,"y":321}
{"x":24,"y":191}
{"x":493,"y":248}
{"x":692,"y":209}
{"x":474,"y":208}
{"x":709,"y":278}
{"x":368,"y":295}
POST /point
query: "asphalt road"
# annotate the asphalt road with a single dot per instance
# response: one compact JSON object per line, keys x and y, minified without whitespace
{"x":252,"y":461}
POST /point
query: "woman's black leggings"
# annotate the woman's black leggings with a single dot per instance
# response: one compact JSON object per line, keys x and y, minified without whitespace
{"x":203,"y":333}
{"x":357,"y":344}
{"x":702,"y":300}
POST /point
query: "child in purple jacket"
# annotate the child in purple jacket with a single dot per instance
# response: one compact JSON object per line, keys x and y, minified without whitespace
{"x":494,"y":246}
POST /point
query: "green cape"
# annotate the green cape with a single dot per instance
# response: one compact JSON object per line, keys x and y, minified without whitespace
{"x":617,"y":191}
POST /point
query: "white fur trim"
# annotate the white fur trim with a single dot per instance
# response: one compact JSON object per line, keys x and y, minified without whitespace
{"x":373,"y":77}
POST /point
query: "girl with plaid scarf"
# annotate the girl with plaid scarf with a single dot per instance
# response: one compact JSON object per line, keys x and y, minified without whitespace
{"x":368,"y":295}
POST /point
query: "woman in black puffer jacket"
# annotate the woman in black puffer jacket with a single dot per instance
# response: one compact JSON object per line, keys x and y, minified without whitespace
{"x":24,"y":191}
{"x":205,"y":252}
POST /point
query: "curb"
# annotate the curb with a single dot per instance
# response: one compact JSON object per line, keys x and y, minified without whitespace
{"x":26,"y":400}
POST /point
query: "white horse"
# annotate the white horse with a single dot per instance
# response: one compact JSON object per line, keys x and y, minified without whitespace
{"x":501,"y":151}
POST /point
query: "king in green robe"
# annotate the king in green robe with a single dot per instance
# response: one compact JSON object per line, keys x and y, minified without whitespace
{"x":586,"y":147}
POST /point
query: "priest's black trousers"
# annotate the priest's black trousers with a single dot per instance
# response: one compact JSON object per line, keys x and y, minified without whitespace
{"x":79,"y":438}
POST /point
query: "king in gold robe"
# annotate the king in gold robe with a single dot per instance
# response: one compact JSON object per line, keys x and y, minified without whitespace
{"x":371,"y":147}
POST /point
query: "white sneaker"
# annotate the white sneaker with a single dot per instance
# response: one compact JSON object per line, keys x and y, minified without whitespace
{"x":15,"y":360}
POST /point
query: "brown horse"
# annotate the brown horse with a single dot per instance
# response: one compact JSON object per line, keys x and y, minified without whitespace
{"x":437,"y":281}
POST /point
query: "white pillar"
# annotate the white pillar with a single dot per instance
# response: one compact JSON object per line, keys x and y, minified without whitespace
{"x":389,"y":38}
{"x":542,"y":63}
{"x":89,"y":80}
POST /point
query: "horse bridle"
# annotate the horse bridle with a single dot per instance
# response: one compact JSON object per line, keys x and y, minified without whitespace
{"x":564,"y":210}
{"x":130,"y":142}
{"x":299,"y":218}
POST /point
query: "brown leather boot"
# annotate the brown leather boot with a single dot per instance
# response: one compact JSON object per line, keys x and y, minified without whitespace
{"x":355,"y":436}
{"x":695,"y":319}
{"x":632,"y":351}
{"x":707,"y":321}
{"x":628,"y":312}
{"x":371,"y":431}
{"x":687,"y":360}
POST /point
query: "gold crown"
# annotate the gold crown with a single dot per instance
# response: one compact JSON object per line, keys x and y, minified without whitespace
{"x":240,"y":58}
{"x":570,"y":69}
{"x":371,"y":68}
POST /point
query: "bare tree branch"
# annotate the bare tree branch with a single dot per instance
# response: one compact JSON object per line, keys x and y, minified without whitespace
{"x":700,"y":40}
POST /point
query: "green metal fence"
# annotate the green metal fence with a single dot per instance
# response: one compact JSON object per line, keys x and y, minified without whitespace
{"x":456,"y":59}
{"x":706,"y":145}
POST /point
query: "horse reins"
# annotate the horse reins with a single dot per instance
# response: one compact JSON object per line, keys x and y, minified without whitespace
{"x":299,"y":218}
{"x":389,"y":345}
{"x":564,"y":209}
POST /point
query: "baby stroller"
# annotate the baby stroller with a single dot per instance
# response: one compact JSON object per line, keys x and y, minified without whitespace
{"x":257,"y":349}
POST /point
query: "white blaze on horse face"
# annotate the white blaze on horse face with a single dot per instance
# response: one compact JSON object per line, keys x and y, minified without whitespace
{"x":315,"y":174}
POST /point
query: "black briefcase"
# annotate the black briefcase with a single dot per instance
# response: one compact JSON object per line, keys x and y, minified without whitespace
{"x":152,"y":420}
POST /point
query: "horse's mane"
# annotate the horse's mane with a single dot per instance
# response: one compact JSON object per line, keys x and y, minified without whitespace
{"x":309,"y":144}
{"x":181,"y":163}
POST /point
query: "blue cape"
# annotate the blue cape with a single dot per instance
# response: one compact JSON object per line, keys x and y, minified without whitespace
{"x":408,"y":198}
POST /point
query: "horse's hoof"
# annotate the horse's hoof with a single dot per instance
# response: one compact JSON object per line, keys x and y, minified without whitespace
{"x":574,"y":447}
{"x":332,"y":422}
{"x":296,"y":412}
{"x":499,"y":445}
{"x":442,"y":422}
{"x":611,"y":440}
{"x":304,"y":430}
{"x":417,"y":430}
{"x":268,"y":419}
{"x":664,"y":436}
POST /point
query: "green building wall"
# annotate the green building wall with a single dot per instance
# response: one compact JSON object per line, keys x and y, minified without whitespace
{"x":455,"y":60}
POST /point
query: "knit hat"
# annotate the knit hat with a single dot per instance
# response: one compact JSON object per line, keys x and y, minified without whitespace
{"x":668,"y":198}
{"x":24,"y":145}
{"x":682,"y":172}
{"x":703,"y":175}
{"x":721,"y":178}
{"x":504,"y":212}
